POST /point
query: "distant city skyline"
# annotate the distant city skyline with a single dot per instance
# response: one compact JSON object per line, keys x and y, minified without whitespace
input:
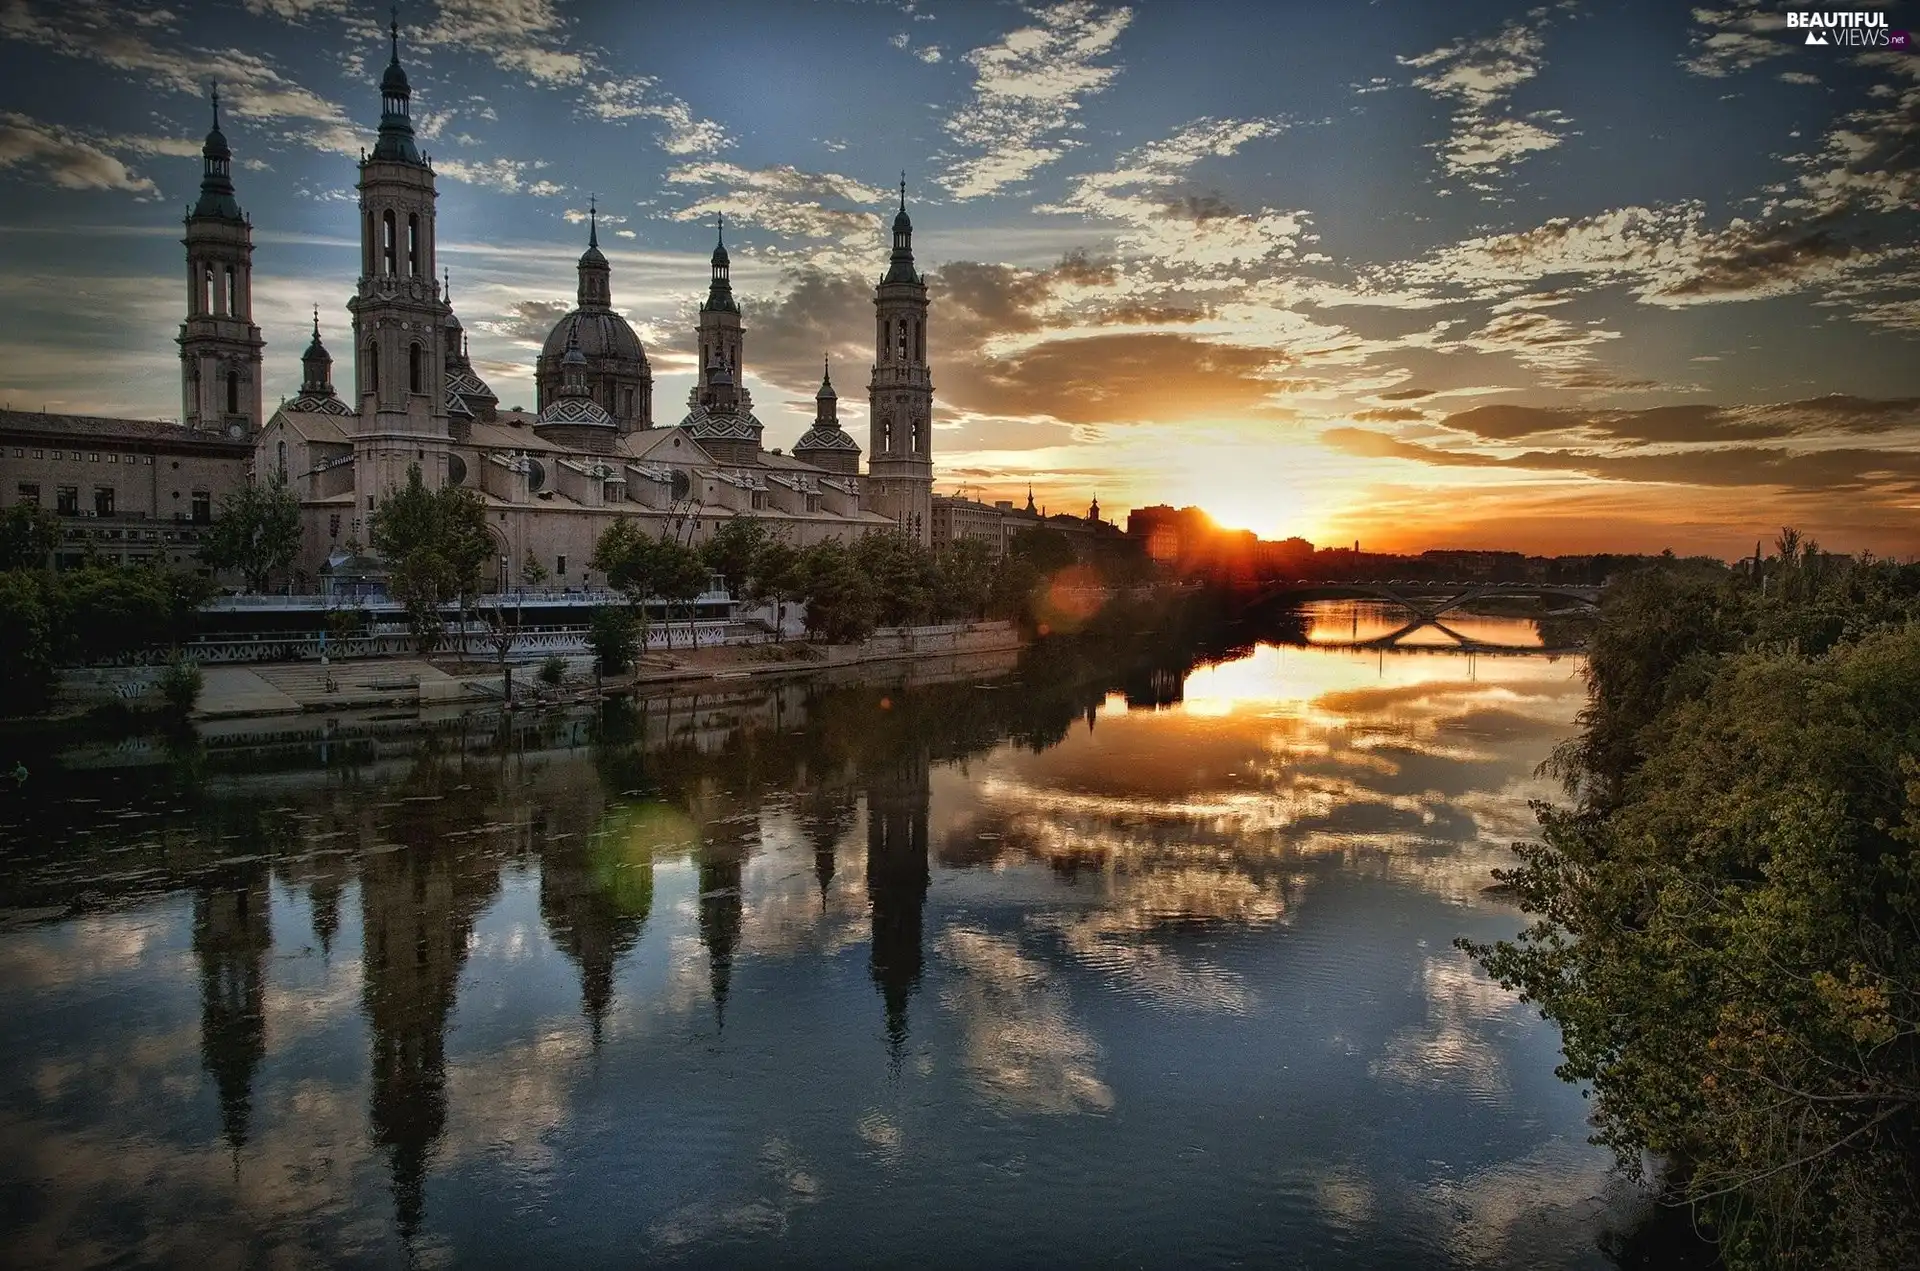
{"x":1548,"y":279}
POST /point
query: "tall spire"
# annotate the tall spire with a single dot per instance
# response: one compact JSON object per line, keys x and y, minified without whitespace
{"x":216,"y":171}
{"x":596,"y":276}
{"x":317,"y":364}
{"x":900,"y":266}
{"x":593,"y":220}
{"x":396,"y":96}
{"x":720,"y":290}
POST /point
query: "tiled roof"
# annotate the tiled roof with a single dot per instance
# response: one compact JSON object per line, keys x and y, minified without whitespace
{"x":102,"y":429}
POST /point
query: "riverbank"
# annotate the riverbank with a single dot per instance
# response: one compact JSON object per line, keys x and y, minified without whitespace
{"x":248,"y":691}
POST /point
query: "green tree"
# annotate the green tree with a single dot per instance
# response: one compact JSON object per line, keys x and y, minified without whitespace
{"x":841,"y":603}
{"x":963,"y":571}
{"x":611,"y":635}
{"x":682,"y":577}
{"x":902,"y":575}
{"x":532,"y":572}
{"x":435,"y":544}
{"x":735,"y":549}
{"x":779,"y":581}
{"x":257,"y":533}
{"x":28,"y":536}
{"x":1724,"y":917}
{"x":635,"y":563}
{"x":27,"y":631}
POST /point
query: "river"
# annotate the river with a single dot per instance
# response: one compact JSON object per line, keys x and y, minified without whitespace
{"x":962,"y":969}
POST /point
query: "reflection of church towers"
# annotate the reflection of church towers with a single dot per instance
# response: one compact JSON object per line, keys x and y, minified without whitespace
{"x":594,"y":920}
{"x":418,"y":906}
{"x":826,"y":815}
{"x":720,"y":917}
{"x":231,"y":937}
{"x":897,"y":803}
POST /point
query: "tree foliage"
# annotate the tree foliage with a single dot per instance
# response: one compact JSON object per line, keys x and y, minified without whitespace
{"x":257,"y":533}
{"x":28,"y":536}
{"x":1725,"y":918}
{"x":435,"y":544}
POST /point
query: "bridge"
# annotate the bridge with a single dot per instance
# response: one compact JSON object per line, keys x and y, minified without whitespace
{"x":1426,"y":600}
{"x":1396,"y":642}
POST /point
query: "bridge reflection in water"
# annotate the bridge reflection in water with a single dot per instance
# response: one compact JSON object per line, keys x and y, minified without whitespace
{"x":1374,"y":625}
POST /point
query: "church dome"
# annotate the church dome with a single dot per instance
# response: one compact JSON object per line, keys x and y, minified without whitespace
{"x":601,"y":333}
{"x":574,"y":411}
{"x":819,"y":438}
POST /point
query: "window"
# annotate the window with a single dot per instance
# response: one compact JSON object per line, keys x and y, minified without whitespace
{"x":233,"y":292}
{"x":415,"y":381}
{"x":920,"y":340}
{"x":387,"y":245}
{"x":29,"y":494}
{"x":103,"y":500}
{"x":282,"y":447}
{"x":233,"y":392}
{"x":149,"y":461}
{"x":206,"y":289}
{"x":886,"y":435}
{"x":903,"y":339}
{"x":333,"y":526}
{"x":113,"y":458}
{"x":560,"y":566}
{"x":93,"y":458}
{"x":41,"y":454}
{"x":913,"y":436}
{"x":373,"y":369}
{"x":202,"y":507}
{"x":413,"y":245}
{"x":626,"y":407}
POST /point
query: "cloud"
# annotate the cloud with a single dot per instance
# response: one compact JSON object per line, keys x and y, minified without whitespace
{"x":524,"y":36}
{"x":64,"y":159}
{"x":1181,"y":228}
{"x":1389,"y":414}
{"x":1479,"y":77}
{"x":1535,"y":339}
{"x":639,"y":97}
{"x":1737,"y":38}
{"x":1027,"y":92}
{"x":528,"y":321}
{"x":785,"y":199}
{"x":1821,"y":417}
{"x":509,"y":176}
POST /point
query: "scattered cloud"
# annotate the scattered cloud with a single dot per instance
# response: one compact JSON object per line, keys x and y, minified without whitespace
{"x":1479,"y":76}
{"x":1027,"y":92}
{"x":63,"y":159}
{"x":1736,"y":38}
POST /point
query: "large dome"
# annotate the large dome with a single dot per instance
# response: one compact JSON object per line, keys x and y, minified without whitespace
{"x":602,"y":334}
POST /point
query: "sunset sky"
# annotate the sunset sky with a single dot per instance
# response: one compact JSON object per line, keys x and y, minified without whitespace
{"x":1574,"y":277}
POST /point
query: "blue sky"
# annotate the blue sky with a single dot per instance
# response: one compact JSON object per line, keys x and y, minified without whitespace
{"x":1560,"y":277}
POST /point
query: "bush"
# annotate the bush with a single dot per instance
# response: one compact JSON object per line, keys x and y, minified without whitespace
{"x":613,"y":638}
{"x":180,"y":685}
{"x":553,"y":671}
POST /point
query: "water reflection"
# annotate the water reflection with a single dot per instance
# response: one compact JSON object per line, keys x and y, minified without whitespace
{"x":1155,"y":968}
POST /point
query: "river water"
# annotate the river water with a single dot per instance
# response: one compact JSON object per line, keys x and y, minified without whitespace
{"x":981,"y":966}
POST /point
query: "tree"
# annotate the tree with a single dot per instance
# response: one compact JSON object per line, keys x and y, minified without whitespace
{"x":964,"y":572}
{"x":28,"y":536}
{"x":902,"y":575}
{"x":682,"y":577}
{"x":1724,"y":917}
{"x":532,"y":572}
{"x":26,"y":642}
{"x":257,"y":532}
{"x":841,"y":604}
{"x":611,"y":635}
{"x":778,"y":581}
{"x":435,"y":543}
{"x":735,"y":549}
{"x":634,"y":562}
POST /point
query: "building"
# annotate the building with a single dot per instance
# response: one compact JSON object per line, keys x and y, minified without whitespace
{"x":997,"y":524}
{"x":135,"y":491}
{"x":552,"y":480}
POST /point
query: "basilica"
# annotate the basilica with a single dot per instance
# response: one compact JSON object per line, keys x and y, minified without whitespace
{"x":592,"y":451}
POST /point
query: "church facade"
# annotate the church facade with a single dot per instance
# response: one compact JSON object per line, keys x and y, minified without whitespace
{"x":592,"y":452}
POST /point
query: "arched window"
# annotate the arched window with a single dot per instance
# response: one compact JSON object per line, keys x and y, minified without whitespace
{"x":413,"y":243}
{"x":913,"y":436}
{"x":706,"y":357}
{"x":886,"y":436}
{"x":881,"y":341}
{"x":373,"y":369}
{"x":206,"y":289}
{"x":920,"y":340}
{"x":233,"y":392}
{"x":387,"y":244}
{"x":233,"y":293}
{"x":626,"y":402}
{"x":903,"y":339}
{"x":416,"y":381}
{"x":283,"y":460}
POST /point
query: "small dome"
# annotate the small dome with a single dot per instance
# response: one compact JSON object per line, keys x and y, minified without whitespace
{"x":902,"y":223}
{"x":394,"y":82}
{"x":815,"y":439}
{"x":602,"y":333}
{"x":216,"y":147}
{"x":573,"y":411}
{"x":593,"y":257}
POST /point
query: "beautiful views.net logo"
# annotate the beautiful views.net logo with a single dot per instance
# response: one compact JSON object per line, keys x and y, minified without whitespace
{"x":1863,"y":29}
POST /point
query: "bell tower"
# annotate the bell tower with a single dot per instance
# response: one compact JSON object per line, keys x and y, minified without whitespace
{"x":900,"y":450}
{"x":399,"y":316}
{"x":219,"y":343}
{"x":721,"y":334}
